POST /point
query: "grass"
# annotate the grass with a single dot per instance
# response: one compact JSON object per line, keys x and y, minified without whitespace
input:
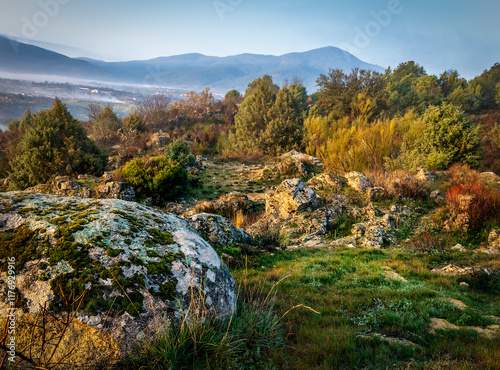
{"x":252,"y":337}
{"x":360,"y":306}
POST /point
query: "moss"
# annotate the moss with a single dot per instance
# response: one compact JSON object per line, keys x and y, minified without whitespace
{"x":163,"y":238}
{"x":25,"y":210}
{"x":132,"y":303}
{"x":113,"y":252}
{"x":83,"y":206}
{"x":58,"y":220}
{"x":22,"y":244}
{"x":134,"y":221}
{"x":135,"y":260}
{"x":152,"y":253}
{"x":157,"y":220}
{"x":123,"y":263}
{"x":127,"y":241}
{"x":68,"y":229}
{"x":7,"y":208}
{"x":96,"y":241}
{"x":82,"y":215}
{"x":163,"y":265}
{"x":134,"y":229}
{"x":106,"y":233}
{"x":168,"y":290}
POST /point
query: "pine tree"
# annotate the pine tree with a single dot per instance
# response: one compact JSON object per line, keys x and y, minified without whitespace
{"x":55,"y":144}
{"x":252,"y":118}
{"x":285,"y":130}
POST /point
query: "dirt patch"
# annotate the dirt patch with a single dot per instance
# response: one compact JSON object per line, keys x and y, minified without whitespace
{"x":392,"y":340}
{"x":458,"y":304}
{"x":490,"y":332}
{"x":393,"y":275}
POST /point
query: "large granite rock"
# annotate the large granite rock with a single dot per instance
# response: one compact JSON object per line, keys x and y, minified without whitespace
{"x":136,"y":268}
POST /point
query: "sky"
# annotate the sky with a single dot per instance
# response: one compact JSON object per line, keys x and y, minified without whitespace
{"x":438,"y":34}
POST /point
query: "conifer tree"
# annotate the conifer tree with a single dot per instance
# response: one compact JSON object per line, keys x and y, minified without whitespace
{"x":55,"y":144}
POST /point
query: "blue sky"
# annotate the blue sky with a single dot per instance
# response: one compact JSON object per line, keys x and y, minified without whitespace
{"x":437,"y":34}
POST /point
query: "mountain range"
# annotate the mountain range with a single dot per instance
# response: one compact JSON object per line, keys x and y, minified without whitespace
{"x":187,"y":71}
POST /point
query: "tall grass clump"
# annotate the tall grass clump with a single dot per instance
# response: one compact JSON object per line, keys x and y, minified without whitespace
{"x":344,"y":145}
{"x":252,"y":337}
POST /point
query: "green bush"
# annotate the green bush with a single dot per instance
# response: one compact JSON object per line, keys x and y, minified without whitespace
{"x":449,"y":137}
{"x":54,"y":144}
{"x":155,"y":177}
{"x":179,"y":151}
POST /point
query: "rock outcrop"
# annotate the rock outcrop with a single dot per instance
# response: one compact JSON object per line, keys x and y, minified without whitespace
{"x":358,"y":181}
{"x":494,"y":239}
{"x":219,"y":231}
{"x":227,"y":205}
{"x":86,"y":186}
{"x":135,"y":267}
{"x":291,"y":196}
{"x":327,"y":182}
{"x":301,"y":158}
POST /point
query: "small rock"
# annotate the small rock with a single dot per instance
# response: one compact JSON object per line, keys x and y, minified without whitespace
{"x":459,"y":247}
{"x":463,"y":283}
{"x":291,"y":196}
{"x":327,"y":182}
{"x":494,"y":239}
{"x":313,"y":161}
{"x":376,"y":193}
{"x":358,"y":181}
{"x":107,"y":176}
{"x":218,"y":230}
{"x":437,"y":196}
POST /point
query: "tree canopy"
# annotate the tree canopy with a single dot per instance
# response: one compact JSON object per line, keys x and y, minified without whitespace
{"x":54,"y":144}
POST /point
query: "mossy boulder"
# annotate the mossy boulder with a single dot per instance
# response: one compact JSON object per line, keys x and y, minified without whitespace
{"x":134,"y":268}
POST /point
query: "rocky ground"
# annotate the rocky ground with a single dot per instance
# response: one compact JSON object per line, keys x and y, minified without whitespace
{"x":289,"y":204}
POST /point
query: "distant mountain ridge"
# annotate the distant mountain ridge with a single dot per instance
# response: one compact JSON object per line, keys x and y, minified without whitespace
{"x":192,"y":71}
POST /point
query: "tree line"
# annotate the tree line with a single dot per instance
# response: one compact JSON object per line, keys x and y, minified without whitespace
{"x":359,"y":120}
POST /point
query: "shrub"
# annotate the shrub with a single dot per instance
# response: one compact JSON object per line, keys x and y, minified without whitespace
{"x":449,"y":137}
{"x":426,"y":242}
{"x":155,"y":177}
{"x":472,"y":206}
{"x":179,"y":151}
{"x":106,"y":123}
{"x":268,"y":236}
{"x":406,"y":187}
{"x":345,"y":146}
{"x":55,"y":144}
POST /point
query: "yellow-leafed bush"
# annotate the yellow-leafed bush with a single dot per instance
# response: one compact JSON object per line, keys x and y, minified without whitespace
{"x":345,"y":145}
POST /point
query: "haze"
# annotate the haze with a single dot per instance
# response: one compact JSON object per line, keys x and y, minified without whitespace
{"x":442,"y":35}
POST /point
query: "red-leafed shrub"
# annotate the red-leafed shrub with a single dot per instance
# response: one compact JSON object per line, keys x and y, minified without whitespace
{"x":472,"y":205}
